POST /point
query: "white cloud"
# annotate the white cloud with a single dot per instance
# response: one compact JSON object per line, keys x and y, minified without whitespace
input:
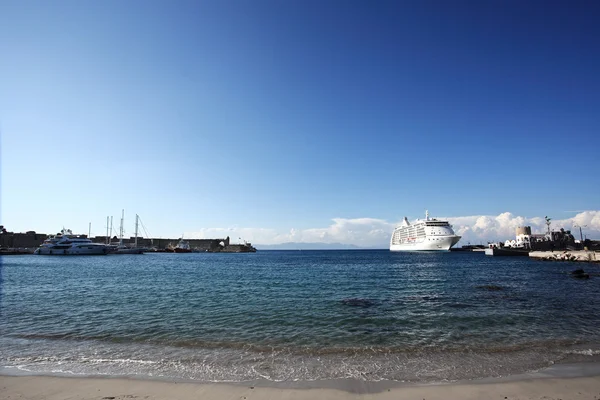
{"x":363,"y":232}
{"x":372,"y":232}
{"x":483,"y":228}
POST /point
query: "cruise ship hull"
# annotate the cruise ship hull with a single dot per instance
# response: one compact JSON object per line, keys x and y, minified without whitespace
{"x":438,"y":243}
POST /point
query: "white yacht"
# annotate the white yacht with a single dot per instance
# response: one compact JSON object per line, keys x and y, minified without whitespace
{"x":66,"y":243}
{"x":427,"y":234}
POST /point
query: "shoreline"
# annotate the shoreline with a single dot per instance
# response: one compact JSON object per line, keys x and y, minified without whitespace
{"x":557,"y":372}
{"x":87,"y":388}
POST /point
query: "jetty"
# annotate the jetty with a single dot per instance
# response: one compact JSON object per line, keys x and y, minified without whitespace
{"x":7,"y":251}
{"x":553,"y":245}
{"x":496,"y":251}
{"x":566,"y":255}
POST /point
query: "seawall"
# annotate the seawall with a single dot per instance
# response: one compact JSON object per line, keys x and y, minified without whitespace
{"x":32,"y":240}
{"x":566,"y":255}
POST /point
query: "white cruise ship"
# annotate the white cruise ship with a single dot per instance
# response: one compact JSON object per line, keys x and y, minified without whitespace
{"x":427,"y":234}
{"x":65,"y":243}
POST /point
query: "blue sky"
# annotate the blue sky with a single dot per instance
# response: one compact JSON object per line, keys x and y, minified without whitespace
{"x":284,"y":115}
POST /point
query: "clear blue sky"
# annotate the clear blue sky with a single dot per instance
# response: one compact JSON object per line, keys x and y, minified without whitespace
{"x":286,"y":114}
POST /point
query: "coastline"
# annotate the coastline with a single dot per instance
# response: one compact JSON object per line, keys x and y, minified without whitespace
{"x":541,"y":385}
{"x":480,"y":334}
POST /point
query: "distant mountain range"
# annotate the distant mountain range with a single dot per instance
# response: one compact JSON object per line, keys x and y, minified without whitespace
{"x":309,"y":246}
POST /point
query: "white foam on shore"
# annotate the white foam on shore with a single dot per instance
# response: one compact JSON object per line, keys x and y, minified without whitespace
{"x":350,"y":384}
{"x":588,"y":352}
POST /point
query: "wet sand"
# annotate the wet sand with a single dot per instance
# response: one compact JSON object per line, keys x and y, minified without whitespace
{"x":55,"y":388}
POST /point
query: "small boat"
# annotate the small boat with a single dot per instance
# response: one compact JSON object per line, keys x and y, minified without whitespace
{"x":182,"y":247}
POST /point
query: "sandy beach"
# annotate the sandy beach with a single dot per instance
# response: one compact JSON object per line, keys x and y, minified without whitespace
{"x":54,"y":388}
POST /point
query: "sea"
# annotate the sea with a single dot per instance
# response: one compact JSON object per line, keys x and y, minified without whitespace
{"x":288,"y":316}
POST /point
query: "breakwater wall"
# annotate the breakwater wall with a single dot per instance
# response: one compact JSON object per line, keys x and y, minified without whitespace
{"x":32,"y":239}
{"x":29,"y":239}
{"x":567,"y":255}
{"x":161,"y":243}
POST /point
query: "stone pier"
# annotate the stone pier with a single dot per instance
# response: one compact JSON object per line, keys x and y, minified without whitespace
{"x":566,"y":255}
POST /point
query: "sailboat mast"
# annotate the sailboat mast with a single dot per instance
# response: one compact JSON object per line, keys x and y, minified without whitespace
{"x":121,"y":229}
{"x":107,"y":237}
{"x":136,"y":229}
{"x":90,"y":230}
{"x":111,"y":229}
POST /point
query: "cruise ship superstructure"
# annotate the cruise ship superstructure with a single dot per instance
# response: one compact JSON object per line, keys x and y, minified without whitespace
{"x":423,"y":235}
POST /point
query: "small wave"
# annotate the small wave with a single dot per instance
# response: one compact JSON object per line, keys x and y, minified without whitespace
{"x":301,"y":350}
{"x":587,"y":352}
{"x":234,"y":366}
{"x":117,"y":360}
{"x":88,"y":360}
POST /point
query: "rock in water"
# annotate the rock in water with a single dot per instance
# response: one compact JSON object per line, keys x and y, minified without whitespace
{"x":580,"y":274}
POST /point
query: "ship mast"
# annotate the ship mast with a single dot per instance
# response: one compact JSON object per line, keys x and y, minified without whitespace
{"x":121,"y":228}
{"x":136,"y":229}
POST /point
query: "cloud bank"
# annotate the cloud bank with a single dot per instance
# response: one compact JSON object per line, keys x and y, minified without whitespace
{"x":501,"y":227}
{"x":375,"y":233}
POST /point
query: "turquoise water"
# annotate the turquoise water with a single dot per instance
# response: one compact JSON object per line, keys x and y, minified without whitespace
{"x":295,"y":315}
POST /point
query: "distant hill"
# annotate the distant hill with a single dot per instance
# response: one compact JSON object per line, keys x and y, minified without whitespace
{"x":307,"y":246}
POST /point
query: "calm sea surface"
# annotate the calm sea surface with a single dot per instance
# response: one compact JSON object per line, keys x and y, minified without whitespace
{"x":295,"y":315}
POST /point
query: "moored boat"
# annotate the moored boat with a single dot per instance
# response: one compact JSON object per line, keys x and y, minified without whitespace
{"x":129,"y":250}
{"x":122,"y":248}
{"x":66,"y":243}
{"x":183,"y":246}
